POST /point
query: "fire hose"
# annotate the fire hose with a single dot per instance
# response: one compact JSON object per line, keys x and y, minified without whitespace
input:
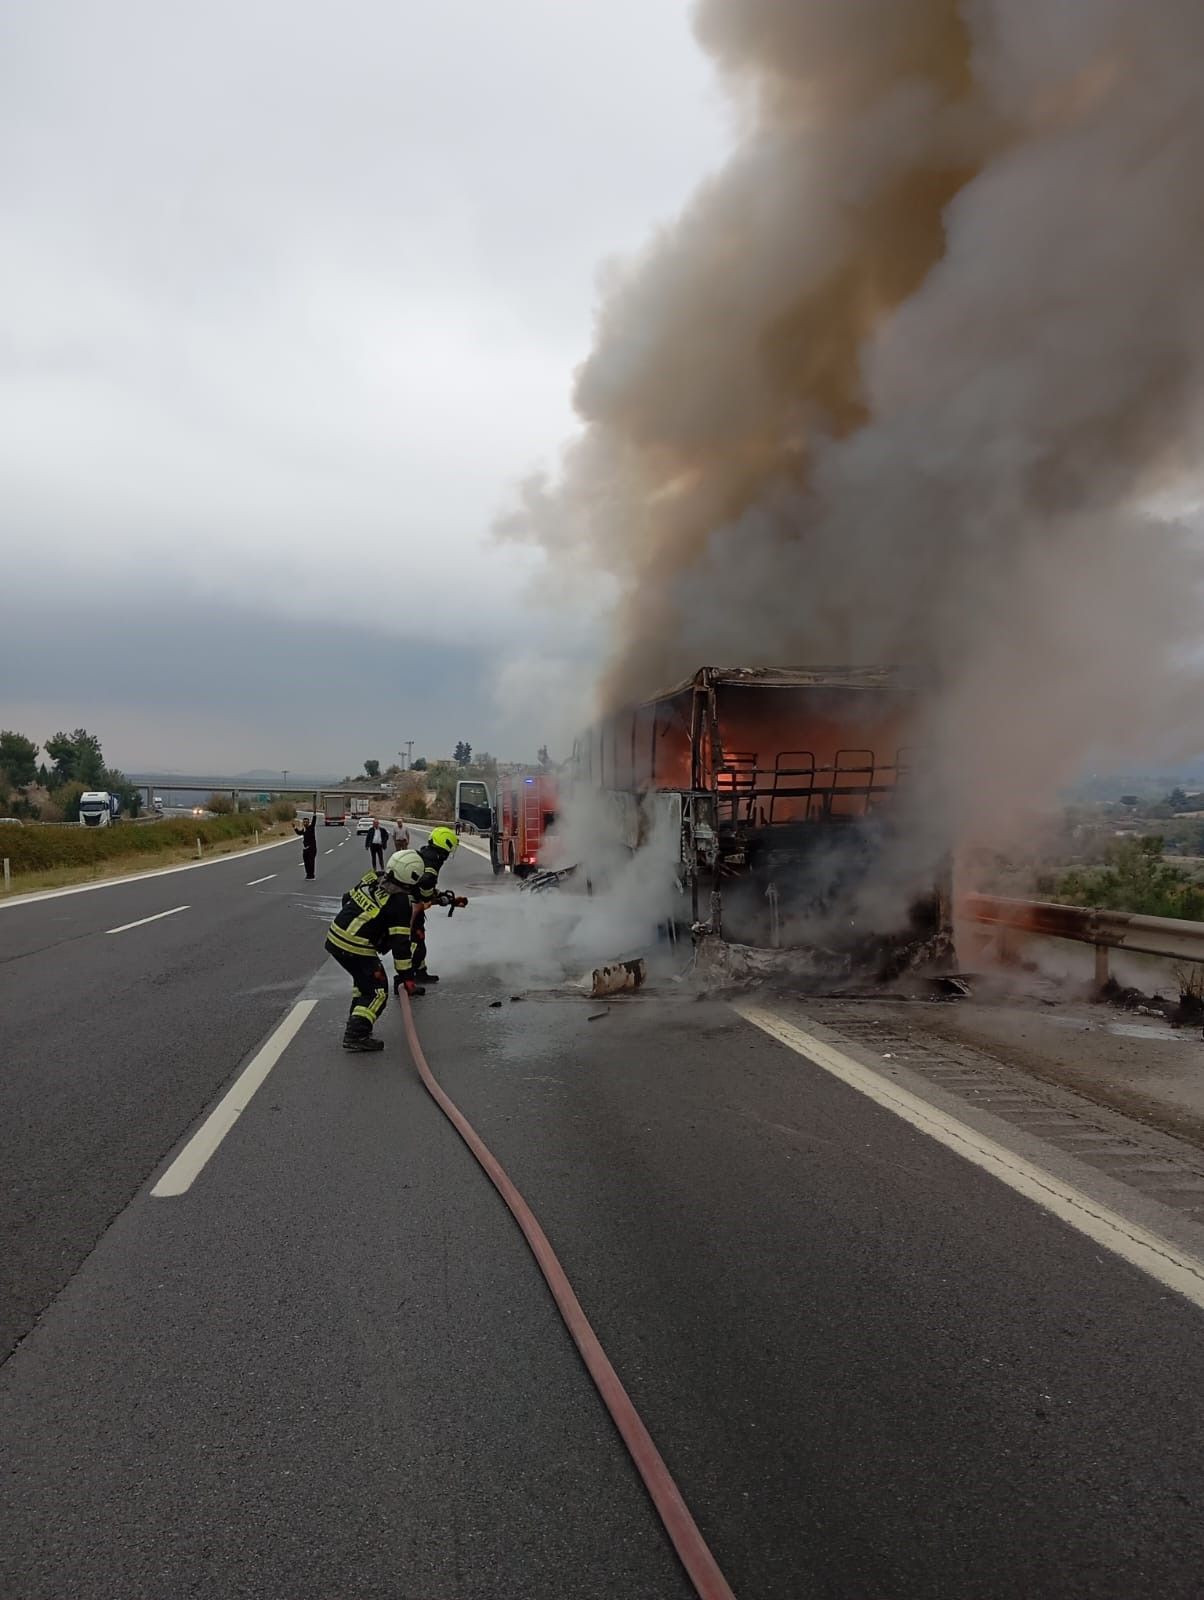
{"x":700,"y":1565}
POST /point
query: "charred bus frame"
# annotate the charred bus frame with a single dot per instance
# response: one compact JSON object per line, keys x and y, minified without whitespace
{"x":767,"y":772}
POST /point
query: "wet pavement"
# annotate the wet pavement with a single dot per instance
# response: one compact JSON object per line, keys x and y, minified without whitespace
{"x":330,"y":1367}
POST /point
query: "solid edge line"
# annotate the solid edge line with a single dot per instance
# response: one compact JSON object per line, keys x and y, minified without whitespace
{"x":142,"y":921}
{"x":182,"y":1173}
{"x":700,"y":1565}
{"x":476,"y":849}
{"x":136,"y":877}
{"x":1149,"y":1252}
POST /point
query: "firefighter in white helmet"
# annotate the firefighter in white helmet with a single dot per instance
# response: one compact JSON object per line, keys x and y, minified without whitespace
{"x":377,"y":916}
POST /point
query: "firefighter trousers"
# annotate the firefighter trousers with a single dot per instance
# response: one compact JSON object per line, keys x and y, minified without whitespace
{"x":370,"y":993}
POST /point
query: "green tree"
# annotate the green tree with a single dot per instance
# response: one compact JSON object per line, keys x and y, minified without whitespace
{"x":420,"y":765}
{"x":462,"y":754}
{"x":1134,"y":877}
{"x":117,"y":783}
{"x":77,"y":758}
{"x":18,"y":758}
{"x":67,"y":800}
{"x":372,"y":769}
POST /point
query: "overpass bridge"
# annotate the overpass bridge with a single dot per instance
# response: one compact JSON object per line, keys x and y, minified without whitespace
{"x":151,"y":784}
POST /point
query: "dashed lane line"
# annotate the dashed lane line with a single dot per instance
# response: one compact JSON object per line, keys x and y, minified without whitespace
{"x":253,"y":881}
{"x":182,"y":1173}
{"x":142,"y":921}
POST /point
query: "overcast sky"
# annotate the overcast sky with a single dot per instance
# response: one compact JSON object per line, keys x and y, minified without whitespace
{"x":291,"y":294}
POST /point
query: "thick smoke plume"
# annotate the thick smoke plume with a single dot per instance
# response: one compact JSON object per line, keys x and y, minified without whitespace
{"x":901,"y":382}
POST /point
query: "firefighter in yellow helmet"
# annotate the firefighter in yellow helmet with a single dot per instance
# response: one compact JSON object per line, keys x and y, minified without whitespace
{"x":439,"y":848}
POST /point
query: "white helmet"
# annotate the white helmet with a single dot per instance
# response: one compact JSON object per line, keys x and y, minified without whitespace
{"x":406,"y":868}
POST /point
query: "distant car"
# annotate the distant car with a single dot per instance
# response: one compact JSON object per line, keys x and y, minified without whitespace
{"x":12,"y":821}
{"x":365,"y":825}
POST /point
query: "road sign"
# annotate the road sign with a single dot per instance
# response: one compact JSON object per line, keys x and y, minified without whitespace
{"x":264,"y":798}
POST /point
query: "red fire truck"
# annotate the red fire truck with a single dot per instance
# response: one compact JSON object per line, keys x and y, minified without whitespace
{"x":516,"y":818}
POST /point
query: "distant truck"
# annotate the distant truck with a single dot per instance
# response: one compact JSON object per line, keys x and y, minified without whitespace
{"x":516,"y":819}
{"x":98,"y":808}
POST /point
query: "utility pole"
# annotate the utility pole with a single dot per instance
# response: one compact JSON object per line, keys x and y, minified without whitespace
{"x":409,"y":752}
{"x":284,"y":775}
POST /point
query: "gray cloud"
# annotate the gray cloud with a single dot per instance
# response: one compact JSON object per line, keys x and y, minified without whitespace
{"x":285,"y":287}
{"x":205,"y":686}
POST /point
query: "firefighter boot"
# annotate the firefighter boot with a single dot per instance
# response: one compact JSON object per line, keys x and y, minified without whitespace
{"x":421,"y":975}
{"x":358,"y":1037}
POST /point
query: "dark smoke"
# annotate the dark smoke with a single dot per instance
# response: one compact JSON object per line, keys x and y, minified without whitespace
{"x":903,"y":381}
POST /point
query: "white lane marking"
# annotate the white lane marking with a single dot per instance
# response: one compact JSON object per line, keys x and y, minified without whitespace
{"x":330,"y":852}
{"x":253,"y":881}
{"x":183,"y":1171}
{"x":1152,"y":1254}
{"x":142,"y":921}
{"x":137,"y":877}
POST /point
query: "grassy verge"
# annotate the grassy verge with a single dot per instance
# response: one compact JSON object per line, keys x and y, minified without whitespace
{"x":121,"y":864}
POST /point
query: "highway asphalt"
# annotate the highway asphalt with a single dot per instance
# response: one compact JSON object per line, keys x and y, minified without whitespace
{"x":330,"y":1367}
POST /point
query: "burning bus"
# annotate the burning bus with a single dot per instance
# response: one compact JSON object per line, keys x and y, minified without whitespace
{"x":801,"y":813}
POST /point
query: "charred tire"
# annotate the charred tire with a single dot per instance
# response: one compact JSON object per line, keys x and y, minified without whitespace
{"x":522,"y":869}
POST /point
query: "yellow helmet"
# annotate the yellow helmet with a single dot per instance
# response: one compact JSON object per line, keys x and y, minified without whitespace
{"x":444,"y":839}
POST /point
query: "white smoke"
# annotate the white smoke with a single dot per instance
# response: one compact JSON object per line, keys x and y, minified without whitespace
{"x":902,"y":382}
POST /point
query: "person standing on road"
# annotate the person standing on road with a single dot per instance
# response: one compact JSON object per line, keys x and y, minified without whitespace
{"x":376,"y":916}
{"x":377,"y":839}
{"x":401,"y":837}
{"x":309,"y":842}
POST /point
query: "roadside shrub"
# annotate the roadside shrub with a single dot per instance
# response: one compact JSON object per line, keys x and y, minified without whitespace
{"x":220,"y":804}
{"x":38,"y":849}
{"x":66,"y":797}
{"x":282,"y":811}
{"x":1134,"y":877}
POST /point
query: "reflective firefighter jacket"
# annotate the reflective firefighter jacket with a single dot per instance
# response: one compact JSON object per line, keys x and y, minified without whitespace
{"x":371,"y":921}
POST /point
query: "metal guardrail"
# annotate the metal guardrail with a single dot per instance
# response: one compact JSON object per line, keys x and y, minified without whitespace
{"x":1168,"y":937}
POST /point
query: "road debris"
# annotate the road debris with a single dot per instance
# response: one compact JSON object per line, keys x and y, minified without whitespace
{"x":616,"y":977}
